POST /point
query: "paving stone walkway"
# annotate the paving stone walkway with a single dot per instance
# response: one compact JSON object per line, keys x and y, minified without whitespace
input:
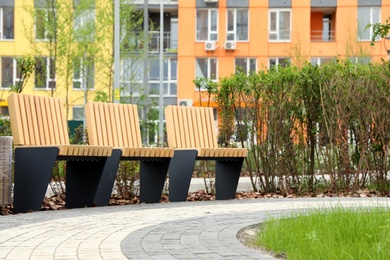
{"x":184,"y":230}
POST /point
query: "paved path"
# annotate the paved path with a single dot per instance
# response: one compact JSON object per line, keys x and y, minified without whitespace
{"x":189,"y":230}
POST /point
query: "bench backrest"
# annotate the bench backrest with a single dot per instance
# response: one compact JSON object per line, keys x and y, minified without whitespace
{"x":37,"y":120}
{"x":111,"y":124}
{"x":190,"y":127}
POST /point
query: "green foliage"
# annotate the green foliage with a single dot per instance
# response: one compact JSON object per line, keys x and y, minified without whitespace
{"x":101,"y":96}
{"x":26,"y":66}
{"x":336,"y":233}
{"x":5,"y":126}
{"x":302,"y":124}
{"x":379,"y":29}
{"x":79,"y":136}
{"x":127,"y":179}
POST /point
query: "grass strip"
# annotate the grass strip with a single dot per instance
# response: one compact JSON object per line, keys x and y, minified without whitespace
{"x":329,"y":233}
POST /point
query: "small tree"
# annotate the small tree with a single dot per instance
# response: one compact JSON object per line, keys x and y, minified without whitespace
{"x":25,"y":66}
{"x":77,"y":35}
{"x":379,"y":29}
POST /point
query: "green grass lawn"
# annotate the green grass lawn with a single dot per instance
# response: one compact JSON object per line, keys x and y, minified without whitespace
{"x":334,"y":233}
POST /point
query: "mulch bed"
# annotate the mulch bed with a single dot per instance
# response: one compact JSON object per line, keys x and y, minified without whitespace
{"x":57,"y":202}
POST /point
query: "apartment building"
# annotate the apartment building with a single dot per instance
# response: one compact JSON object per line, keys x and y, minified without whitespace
{"x":63,"y":66}
{"x":202,"y":38}
{"x":217,"y":36}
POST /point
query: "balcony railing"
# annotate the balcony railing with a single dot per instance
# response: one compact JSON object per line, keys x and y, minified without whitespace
{"x":323,"y":36}
{"x":169,"y":43}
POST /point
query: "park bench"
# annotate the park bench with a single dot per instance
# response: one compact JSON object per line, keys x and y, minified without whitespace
{"x":40,"y":134}
{"x":191,"y":132}
{"x":117,"y":125}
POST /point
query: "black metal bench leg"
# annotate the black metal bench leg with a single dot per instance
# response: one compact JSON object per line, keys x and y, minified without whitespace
{"x":106,"y":183}
{"x":33,"y":169}
{"x":89,"y":183}
{"x":226,"y":178}
{"x":153,"y":174}
{"x":180,"y":174}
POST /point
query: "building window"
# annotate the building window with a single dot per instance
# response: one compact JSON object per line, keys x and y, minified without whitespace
{"x":150,"y":130}
{"x":367,"y":15}
{"x":321,"y":61}
{"x":245,"y":65}
{"x":206,"y":68}
{"x":131,"y":77}
{"x":84,"y":20}
{"x":169,"y":77}
{"x":10,"y":73}
{"x":6,"y":23}
{"x":44,"y":23}
{"x":170,"y":87}
{"x":282,"y":62}
{"x":279,"y":25}
{"x":237,"y":25}
{"x":78,"y":112}
{"x":45,"y":73}
{"x":207,"y":25}
{"x":360,"y":60}
{"x":83,"y":74}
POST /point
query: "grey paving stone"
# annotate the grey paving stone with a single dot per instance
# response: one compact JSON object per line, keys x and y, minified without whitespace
{"x":188,"y":230}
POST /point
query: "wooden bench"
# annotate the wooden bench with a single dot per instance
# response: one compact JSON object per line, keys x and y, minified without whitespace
{"x":40,"y":133}
{"x":117,"y":125}
{"x":191,"y":131}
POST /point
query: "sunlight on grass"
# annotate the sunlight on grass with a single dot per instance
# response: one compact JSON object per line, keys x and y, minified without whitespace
{"x":329,"y":233}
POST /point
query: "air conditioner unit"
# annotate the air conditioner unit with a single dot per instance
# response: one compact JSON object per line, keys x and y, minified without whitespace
{"x":185,"y":102}
{"x":230,"y":45}
{"x":211,"y":1}
{"x":210,"y":46}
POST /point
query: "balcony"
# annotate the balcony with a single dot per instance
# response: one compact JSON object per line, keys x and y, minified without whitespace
{"x":135,"y":42}
{"x":169,"y":42}
{"x":322,"y":36}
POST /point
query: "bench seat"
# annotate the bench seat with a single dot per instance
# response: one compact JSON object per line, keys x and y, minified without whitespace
{"x":191,"y":132}
{"x":153,"y":152}
{"x":117,"y":125}
{"x":40,"y":134}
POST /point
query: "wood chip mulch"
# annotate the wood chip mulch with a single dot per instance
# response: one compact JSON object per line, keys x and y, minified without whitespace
{"x":57,"y":202}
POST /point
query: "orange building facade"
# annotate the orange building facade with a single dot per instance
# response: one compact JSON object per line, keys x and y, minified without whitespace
{"x":205,"y":38}
{"x":217,"y":36}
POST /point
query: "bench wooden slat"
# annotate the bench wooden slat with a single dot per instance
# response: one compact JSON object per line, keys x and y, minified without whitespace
{"x":103,"y":138}
{"x":41,"y":121}
{"x":16,"y":122}
{"x":186,"y":128}
{"x":171,"y":130}
{"x":47,"y":122}
{"x":34,"y":130}
{"x":76,"y":150}
{"x":193,"y":127}
{"x":107,"y":123}
{"x":119,"y":127}
{"x":121,"y":124}
{"x":179,"y":128}
{"x":115,"y":126}
{"x":54,"y":122}
{"x":92,"y":131}
{"x":198,"y":126}
{"x":28,"y":121}
{"x":211,"y":128}
{"x":100,"y":132}
{"x":40,"y":118}
{"x":126,"y":125}
{"x":136,"y":126}
{"x":63,"y":125}
{"x":130,"y":125}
